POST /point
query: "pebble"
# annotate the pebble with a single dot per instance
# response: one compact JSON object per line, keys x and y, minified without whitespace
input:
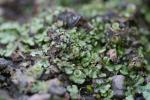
{"x":70,"y":18}
{"x":5,"y":63}
{"x":88,"y":98}
{"x":56,"y":88}
{"x":40,"y":97}
{"x":118,"y":86}
{"x":4,"y":95}
{"x":2,"y":78}
{"x":21,"y":79}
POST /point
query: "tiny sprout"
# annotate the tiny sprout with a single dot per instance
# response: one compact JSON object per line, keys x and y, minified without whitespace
{"x":77,"y":73}
{"x":131,"y":8}
{"x":115,"y":39}
{"x":115,"y":26}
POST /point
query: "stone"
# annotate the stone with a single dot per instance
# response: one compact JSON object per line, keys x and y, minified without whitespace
{"x":118,"y":85}
{"x":40,"y":97}
{"x":56,"y":88}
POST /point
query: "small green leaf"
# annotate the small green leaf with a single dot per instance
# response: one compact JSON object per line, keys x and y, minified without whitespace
{"x":73,"y":90}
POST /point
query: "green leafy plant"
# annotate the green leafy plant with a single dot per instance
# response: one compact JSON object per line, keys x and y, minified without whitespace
{"x":40,"y":87}
{"x":74,"y":92}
